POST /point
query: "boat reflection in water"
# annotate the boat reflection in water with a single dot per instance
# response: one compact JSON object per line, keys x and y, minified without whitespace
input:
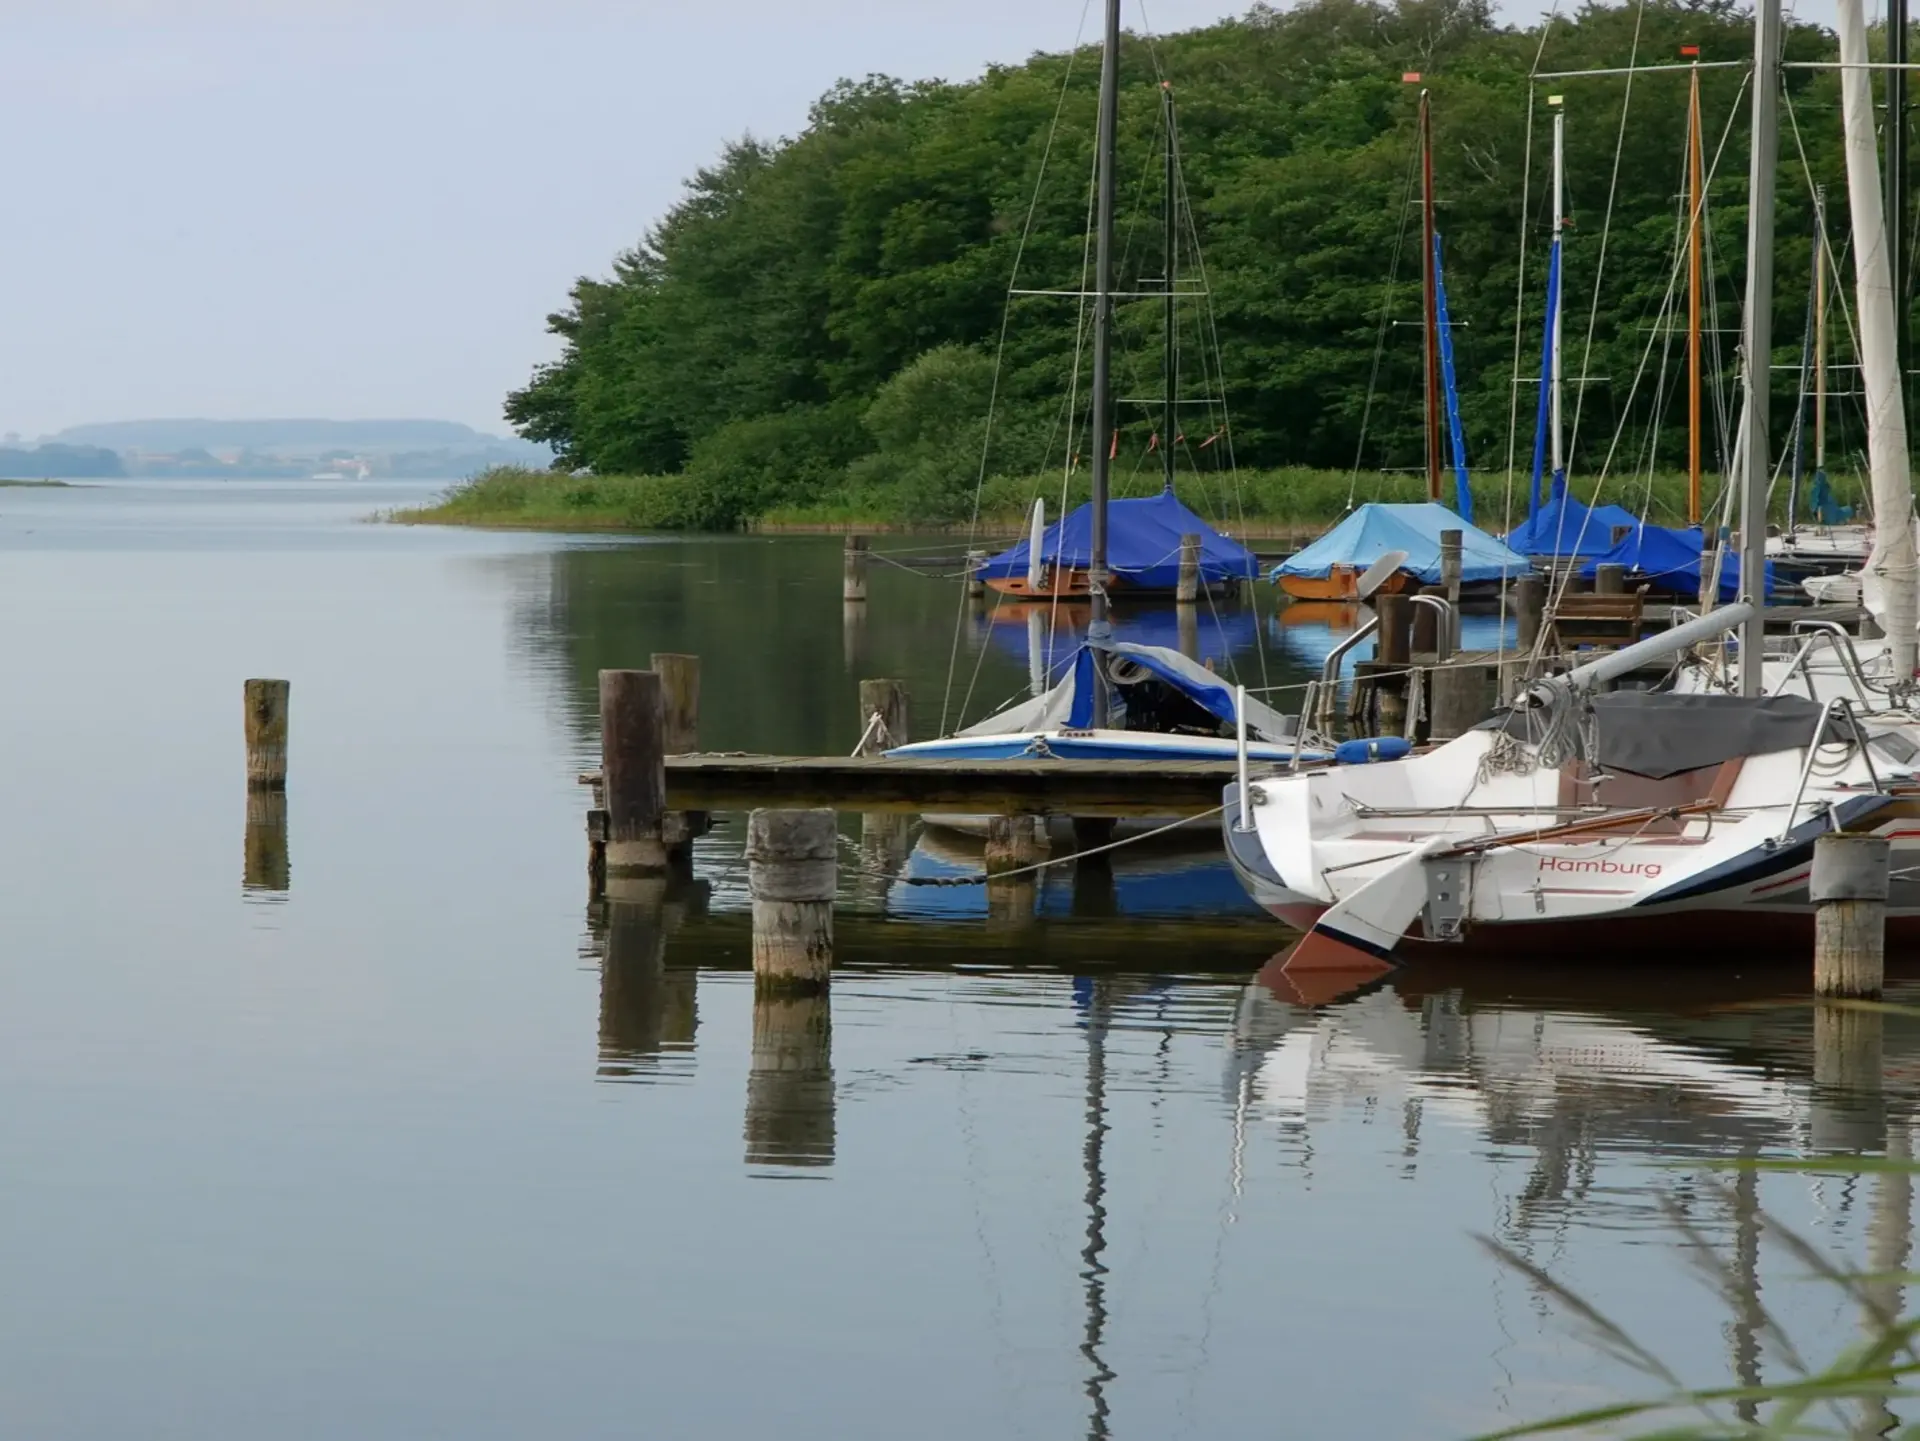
{"x":1306,"y":632}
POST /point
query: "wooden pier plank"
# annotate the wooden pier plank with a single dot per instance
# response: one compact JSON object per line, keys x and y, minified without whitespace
{"x":999,"y":787}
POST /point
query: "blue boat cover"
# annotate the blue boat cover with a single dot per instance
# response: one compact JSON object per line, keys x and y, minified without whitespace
{"x":1372,"y":530}
{"x":1143,"y":545}
{"x":1565,"y":529}
{"x":1670,"y":559}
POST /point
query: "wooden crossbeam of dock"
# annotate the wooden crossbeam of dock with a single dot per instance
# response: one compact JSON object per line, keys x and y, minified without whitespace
{"x":976,"y":787}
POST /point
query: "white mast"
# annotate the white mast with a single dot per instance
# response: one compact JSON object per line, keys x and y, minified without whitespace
{"x":1558,"y":468}
{"x":1891,"y":583}
{"x":1759,"y":338}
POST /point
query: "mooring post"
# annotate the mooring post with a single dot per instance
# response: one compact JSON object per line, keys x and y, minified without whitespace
{"x":792,"y":872}
{"x":1459,"y":696}
{"x":1015,"y":842}
{"x":1450,"y":544}
{"x":1426,"y":623}
{"x":886,"y":716}
{"x":853,"y":584}
{"x":1529,"y":607}
{"x":1186,"y":619}
{"x":264,"y":867}
{"x":1610,"y":580}
{"x":266,"y":707}
{"x":976,"y":583}
{"x":1393,"y":648}
{"x":633,"y":773}
{"x":1849,"y":891}
{"x":680,"y":736}
{"x":1187,"y":588}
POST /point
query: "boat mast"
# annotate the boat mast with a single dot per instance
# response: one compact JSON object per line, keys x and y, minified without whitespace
{"x":1758,"y":346}
{"x":1556,"y":456}
{"x":1891,"y":581}
{"x":1819,"y":332}
{"x":1099,"y":630}
{"x":1430,"y":310}
{"x":1170,"y":356}
{"x":1897,"y":185}
{"x":1695,"y":200}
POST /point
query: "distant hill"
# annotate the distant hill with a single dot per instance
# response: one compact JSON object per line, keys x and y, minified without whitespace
{"x":299,"y":436}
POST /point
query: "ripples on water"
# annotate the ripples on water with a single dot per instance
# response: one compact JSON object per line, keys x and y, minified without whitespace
{"x":398,"y":1136}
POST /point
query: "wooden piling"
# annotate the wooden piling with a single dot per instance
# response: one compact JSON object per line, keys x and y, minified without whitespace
{"x":633,"y":771}
{"x":1459,"y":697}
{"x":1426,"y":623}
{"x":889,"y":700}
{"x":1849,"y":892}
{"x":1395,"y":643}
{"x":1187,"y":588}
{"x":266,"y":715}
{"x":1610,"y":580}
{"x":1529,"y":605}
{"x":792,"y":872}
{"x":264,"y":864}
{"x":680,"y":736}
{"x":1451,"y":542}
{"x":976,"y":584}
{"x":1186,"y":620}
{"x":1015,"y":842}
{"x":853,"y":583}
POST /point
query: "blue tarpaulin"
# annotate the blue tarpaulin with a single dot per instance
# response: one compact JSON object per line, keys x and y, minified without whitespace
{"x":1373,"y":530}
{"x":1564,"y":529}
{"x":1670,"y":560}
{"x":1143,"y":545}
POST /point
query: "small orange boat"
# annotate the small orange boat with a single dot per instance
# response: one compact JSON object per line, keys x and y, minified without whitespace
{"x":1339,"y":584}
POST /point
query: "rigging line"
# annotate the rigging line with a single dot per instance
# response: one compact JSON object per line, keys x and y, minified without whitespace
{"x":1606,"y":234}
{"x":1386,"y":320}
{"x":1600,"y":479}
{"x":1006,"y":314}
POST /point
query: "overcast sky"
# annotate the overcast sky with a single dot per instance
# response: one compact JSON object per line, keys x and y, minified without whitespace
{"x":350,"y":208}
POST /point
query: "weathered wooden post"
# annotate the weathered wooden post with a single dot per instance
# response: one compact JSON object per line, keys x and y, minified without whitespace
{"x":853,"y":582}
{"x":886,"y":716}
{"x":1186,"y":620}
{"x":633,"y":772}
{"x":1015,"y":842}
{"x":792,"y":872}
{"x":1849,"y":892}
{"x":266,"y":711}
{"x":1426,"y":623}
{"x":1459,"y":696}
{"x":976,"y":583}
{"x":1451,"y":542}
{"x":1393,"y":647}
{"x":1187,"y":588}
{"x":680,"y":736}
{"x":790,"y":1100}
{"x":264,"y":867}
{"x":1610,"y":580}
{"x":1529,"y":606}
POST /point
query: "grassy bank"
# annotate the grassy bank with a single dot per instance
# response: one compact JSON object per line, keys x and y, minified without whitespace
{"x":1253,"y":503}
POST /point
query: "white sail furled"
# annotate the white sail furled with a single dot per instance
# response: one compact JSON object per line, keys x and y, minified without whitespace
{"x":1890,"y":586}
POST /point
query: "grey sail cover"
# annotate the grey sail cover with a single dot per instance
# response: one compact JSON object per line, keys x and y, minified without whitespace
{"x":1658,"y":734}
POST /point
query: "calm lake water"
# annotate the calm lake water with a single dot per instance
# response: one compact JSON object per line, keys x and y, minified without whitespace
{"x":401,"y":1140}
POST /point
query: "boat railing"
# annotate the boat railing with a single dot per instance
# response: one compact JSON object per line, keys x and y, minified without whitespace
{"x":1446,"y":634}
{"x":1842,"y":707}
{"x":1330,"y":671}
{"x":1833,"y":635}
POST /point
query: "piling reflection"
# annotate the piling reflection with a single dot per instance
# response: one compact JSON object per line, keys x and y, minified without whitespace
{"x":265,"y":872}
{"x":790,"y":1100}
{"x":648,"y":1009}
{"x":1848,"y":1112}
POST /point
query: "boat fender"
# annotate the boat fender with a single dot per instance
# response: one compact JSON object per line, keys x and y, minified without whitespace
{"x":1380,"y":748}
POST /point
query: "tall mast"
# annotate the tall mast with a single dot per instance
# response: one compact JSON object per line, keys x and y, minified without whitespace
{"x":1694,"y":203}
{"x":1098,"y":628}
{"x":1556,"y":456}
{"x":1758,"y":346}
{"x":1897,"y":182}
{"x":1891,"y":581}
{"x":1430,"y":310}
{"x":1170,"y":356}
{"x":1819,"y":331}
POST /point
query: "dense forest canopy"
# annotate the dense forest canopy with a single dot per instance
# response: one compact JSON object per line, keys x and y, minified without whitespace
{"x":831,"y":314}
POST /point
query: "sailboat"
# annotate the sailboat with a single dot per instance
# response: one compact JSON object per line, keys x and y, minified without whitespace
{"x":1117,"y":700}
{"x":1661,"y":815}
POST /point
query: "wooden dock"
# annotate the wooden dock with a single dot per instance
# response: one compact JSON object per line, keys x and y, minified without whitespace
{"x":719,"y":782}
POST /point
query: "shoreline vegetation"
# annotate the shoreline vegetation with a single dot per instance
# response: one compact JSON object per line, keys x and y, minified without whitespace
{"x":1291,"y":504}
